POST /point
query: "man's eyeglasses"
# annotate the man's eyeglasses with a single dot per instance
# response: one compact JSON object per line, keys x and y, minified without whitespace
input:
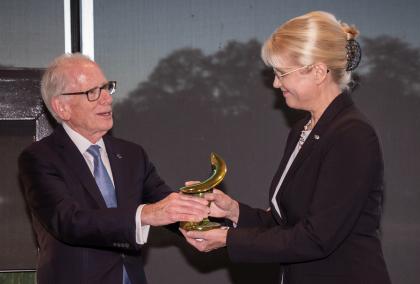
{"x":281,"y":75}
{"x":94,"y":93}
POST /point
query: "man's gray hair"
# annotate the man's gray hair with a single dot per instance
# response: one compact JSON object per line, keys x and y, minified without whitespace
{"x":54,"y":80}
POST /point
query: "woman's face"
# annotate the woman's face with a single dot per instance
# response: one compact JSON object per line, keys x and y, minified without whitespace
{"x":297,"y":84}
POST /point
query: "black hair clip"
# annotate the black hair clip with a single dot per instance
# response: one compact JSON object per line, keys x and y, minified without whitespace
{"x":354,"y":54}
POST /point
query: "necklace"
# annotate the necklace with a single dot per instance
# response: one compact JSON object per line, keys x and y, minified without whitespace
{"x":308,"y":125}
{"x":304,"y":133}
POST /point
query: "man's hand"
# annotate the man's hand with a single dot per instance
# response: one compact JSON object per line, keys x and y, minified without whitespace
{"x":175,"y":207}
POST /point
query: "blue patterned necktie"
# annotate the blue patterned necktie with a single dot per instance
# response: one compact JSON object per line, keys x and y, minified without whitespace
{"x":106,"y":187}
{"x":102,"y":177}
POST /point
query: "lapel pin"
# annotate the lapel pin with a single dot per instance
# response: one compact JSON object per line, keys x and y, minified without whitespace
{"x":119,"y":156}
{"x":316,"y":136}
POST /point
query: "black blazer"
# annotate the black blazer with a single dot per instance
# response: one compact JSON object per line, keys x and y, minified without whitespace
{"x":330,"y":203}
{"x":81,"y":240}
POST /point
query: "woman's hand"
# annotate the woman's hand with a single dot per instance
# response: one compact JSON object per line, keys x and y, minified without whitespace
{"x":206,"y":241}
{"x":221,"y":205}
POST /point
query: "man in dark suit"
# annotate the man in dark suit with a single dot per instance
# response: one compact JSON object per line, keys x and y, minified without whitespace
{"x":93,"y":197}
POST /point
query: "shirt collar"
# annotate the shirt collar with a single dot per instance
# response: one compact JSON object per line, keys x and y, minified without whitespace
{"x":81,"y":142}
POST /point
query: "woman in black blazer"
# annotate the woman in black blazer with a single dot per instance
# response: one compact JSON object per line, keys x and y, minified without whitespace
{"x":326,"y":197}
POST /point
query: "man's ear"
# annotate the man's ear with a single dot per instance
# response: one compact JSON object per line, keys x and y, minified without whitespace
{"x":321,"y":71}
{"x":60,"y":108}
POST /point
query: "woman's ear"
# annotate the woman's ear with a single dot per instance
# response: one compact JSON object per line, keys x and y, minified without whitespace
{"x":60,"y":108}
{"x":321,"y":71}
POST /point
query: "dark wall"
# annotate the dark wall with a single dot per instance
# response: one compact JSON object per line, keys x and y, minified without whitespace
{"x":22,"y":120}
{"x":18,"y":249}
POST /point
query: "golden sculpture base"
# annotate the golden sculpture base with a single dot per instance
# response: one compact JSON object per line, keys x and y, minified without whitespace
{"x":204,"y":225}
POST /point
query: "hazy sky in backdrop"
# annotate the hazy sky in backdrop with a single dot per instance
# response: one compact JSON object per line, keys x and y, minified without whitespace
{"x":131,"y":36}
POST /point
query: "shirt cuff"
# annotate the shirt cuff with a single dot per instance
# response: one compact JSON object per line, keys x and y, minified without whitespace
{"x":142,"y":232}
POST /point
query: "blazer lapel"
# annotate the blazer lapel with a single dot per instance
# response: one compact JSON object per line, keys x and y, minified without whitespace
{"x":290,"y":145}
{"x":76,"y":163}
{"x":304,"y":152}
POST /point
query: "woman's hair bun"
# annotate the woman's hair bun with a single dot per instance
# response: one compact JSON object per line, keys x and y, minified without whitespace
{"x":351,"y":31}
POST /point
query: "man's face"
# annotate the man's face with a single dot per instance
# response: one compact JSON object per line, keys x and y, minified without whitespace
{"x":90,"y":119}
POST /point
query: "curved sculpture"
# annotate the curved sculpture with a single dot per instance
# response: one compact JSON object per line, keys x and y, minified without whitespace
{"x":219,"y":169}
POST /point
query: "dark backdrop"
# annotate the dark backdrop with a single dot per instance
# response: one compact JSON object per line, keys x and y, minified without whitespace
{"x":193,"y":104}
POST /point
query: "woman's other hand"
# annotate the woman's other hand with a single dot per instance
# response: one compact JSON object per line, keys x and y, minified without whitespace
{"x":206,"y":241}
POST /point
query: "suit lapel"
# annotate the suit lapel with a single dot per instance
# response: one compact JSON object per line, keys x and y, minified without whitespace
{"x":290,"y":146}
{"x":77,"y":164}
{"x":315,"y":137}
{"x":304,"y":152}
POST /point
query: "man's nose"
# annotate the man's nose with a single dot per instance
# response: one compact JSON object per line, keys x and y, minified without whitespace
{"x":105,"y":97}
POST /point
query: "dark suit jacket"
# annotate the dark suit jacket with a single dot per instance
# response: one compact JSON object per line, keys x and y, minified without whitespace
{"x":330,"y":201}
{"x":80,"y":239}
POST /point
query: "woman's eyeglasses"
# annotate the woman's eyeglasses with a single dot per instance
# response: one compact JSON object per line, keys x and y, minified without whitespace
{"x":281,"y":75}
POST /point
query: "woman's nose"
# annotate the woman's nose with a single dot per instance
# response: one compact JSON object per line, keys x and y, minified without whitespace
{"x":276,"y":82}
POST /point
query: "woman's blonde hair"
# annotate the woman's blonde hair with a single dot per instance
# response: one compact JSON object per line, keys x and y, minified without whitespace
{"x":314,"y":37}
